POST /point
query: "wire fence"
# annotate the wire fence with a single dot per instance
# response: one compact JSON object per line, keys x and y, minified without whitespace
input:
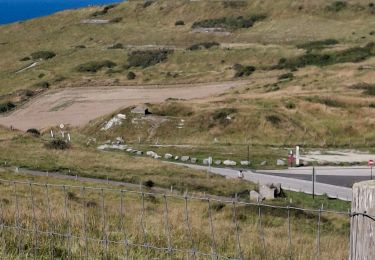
{"x":67,"y":221}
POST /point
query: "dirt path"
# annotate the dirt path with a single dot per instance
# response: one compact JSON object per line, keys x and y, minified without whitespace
{"x":78,"y":106}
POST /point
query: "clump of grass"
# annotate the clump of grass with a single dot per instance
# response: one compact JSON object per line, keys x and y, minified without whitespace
{"x":337,"y":6}
{"x":42,"y":55}
{"x":116,"y":46}
{"x":243,"y":71}
{"x":131,"y":75}
{"x":147,"y":3}
{"x":368,"y":89}
{"x":220,"y":116}
{"x":104,"y":10}
{"x":234,"y":4}
{"x":42,"y":84}
{"x":58,"y":144}
{"x":229,"y":22}
{"x":317,"y":44}
{"x":6,"y":107}
{"x":286,"y":76}
{"x":179,"y":23}
{"x":290,"y":105}
{"x":203,"y":45}
{"x":33,"y":132}
{"x":273,"y":119}
{"x":25,"y":59}
{"x":94,"y":66}
{"x":147,"y":58}
{"x":330,"y":102}
{"x":172,"y":109}
{"x":116,"y":20}
{"x":356,"y":54}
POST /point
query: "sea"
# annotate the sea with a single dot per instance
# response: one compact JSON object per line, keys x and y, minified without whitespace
{"x":19,"y":10}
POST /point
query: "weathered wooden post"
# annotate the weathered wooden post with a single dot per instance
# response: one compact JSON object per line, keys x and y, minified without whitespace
{"x":362,"y":224}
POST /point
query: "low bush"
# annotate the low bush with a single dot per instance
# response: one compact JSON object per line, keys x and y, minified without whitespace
{"x":94,"y":66}
{"x":25,"y":59}
{"x":337,"y":6}
{"x":273,"y":119}
{"x":356,"y":54}
{"x":116,"y":46}
{"x":286,"y":76}
{"x":104,"y":11}
{"x":174,"y":109}
{"x":330,"y":102}
{"x":58,"y":144}
{"x":131,"y":75}
{"x":290,"y":105}
{"x":229,"y":22}
{"x":80,"y":47}
{"x":202,"y":45}
{"x":242,"y":71}
{"x":43,"y":55}
{"x":368,"y":89}
{"x":41,"y":84}
{"x":317,"y":44}
{"x":149,"y":184}
{"x":179,"y":23}
{"x":221,"y":115}
{"x":147,"y":3}
{"x":5,"y":107}
{"x":234,"y":4}
{"x":29,"y":93}
{"x":116,"y":20}
{"x":147,"y":58}
{"x":33,"y":131}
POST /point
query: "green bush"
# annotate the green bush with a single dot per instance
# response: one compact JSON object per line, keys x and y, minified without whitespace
{"x":116,"y":20}
{"x":25,"y":59}
{"x":131,"y":75}
{"x":94,"y":66}
{"x":290,"y":105}
{"x":42,"y":84}
{"x":33,"y":131}
{"x":43,"y":55}
{"x":368,"y":89}
{"x":147,"y":58}
{"x":116,"y":46}
{"x":330,"y":102}
{"x":356,"y":54}
{"x":229,"y":22}
{"x":286,"y":76}
{"x":337,"y":6}
{"x":147,"y":3}
{"x":104,"y":11}
{"x":220,"y":116}
{"x":179,"y":23}
{"x":80,"y":47}
{"x":203,"y":45}
{"x":234,"y":4}
{"x":58,"y":144}
{"x":273,"y":119}
{"x":5,"y":107}
{"x":317,"y":44}
{"x":242,"y":71}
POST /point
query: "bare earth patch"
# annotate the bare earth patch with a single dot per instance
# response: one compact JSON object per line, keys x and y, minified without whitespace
{"x":78,"y":106}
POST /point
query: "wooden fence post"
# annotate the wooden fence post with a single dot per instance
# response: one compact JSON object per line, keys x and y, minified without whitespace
{"x":362,"y":224}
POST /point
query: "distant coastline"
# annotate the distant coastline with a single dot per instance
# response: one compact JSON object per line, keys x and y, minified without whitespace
{"x":20,"y":10}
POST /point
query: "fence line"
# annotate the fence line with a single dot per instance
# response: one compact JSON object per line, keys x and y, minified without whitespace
{"x":125,"y":222}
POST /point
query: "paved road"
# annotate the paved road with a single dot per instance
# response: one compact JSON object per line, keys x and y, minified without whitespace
{"x":287,"y":183}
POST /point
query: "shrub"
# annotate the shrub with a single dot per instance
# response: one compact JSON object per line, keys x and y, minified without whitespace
{"x":131,"y":75}
{"x":147,"y":3}
{"x":58,"y":144}
{"x":355,"y":54}
{"x":116,"y":46}
{"x":41,"y":75}
{"x":5,"y":107}
{"x":242,"y":71}
{"x":368,"y":89}
{"x":179,"y":23}
{"x":317,"y":44}
{"x":217,"y":206}
{"x":72,"y":196}
{"x":174,"y":109}
{"x":273,"y":119}
{"x":94,"y":66}
{"x":116,"y":20}
{"x":33,"y":131}
{"x":290,"y":105}
{"x":325,"y":101}
{"x":147,"y":58}
{"x":43,"y":55}
{"x":104,"y":11}
{"x":220,"y":116}
{"x":91,"y":204}
{"x":337,"y":6}
{"x":234,"y":4}
{"x":25,"y":59}
{"x":286,"y":76}
{"x":41,"y":84}
{"x":149,"y":184}
{"x":229,"y":22}
{"x":372,"y":105}
{"x":80,"y":47}
{"x":203,"y":45}
{"x":29,"y":93}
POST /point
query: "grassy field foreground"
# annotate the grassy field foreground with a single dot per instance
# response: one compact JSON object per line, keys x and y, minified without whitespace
{"x":63,"y":219}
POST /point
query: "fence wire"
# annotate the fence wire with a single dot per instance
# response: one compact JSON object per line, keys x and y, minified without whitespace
{"x":68,"y":221}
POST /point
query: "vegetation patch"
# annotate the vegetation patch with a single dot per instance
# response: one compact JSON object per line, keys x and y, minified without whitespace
{"x":234,"y":4}
{"x":58,"y":144}
{"x":131,"y":75}
{"x":243,"y":71}
{"x":368,"y":89}
{"x":147,"y":58}
{"x":42,"y":84}
{"x":43,"y":55}
{"x":330,"y":102}
{"x":273,"y":119}
{"x":317,"y":44}
{"x":104,"y":11}
{"x":94,"y":66}
{"x":290,"y":105}
{"x":286,"y":76}
{"x":203,"y":45}
{"x":179,"y":23}
{"x":337,"y":6}
{"x":222,"y":116}
{"x":33,"y":132}
{"x":6,"y":107}
{"x":116,"y":46}
{"x":229,"y":22}
{"x":172,"y":109}
{"x":356,"y":54}
{"x":147,"y":3}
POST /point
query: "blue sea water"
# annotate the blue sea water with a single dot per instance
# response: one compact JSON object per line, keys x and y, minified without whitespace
{"x":19,"y":10}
